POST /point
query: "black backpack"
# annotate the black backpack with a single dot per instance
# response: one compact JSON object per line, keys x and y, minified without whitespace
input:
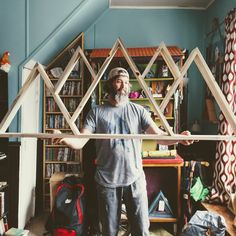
{"x":67,"y":216}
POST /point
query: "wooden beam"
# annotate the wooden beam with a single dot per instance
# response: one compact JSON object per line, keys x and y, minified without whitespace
{"x":176,"y":137}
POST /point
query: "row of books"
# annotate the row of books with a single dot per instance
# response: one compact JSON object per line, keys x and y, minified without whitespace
{"x":62,"y":167}
{"x":62,"y":154}
{"x":70,"y":88}
{"x":70,"y":103}
{"x":58,"y":122}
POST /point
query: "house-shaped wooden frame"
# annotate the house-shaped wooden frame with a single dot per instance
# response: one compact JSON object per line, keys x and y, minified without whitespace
{"x":178,"y":75}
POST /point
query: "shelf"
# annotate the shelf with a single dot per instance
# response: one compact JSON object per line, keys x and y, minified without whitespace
{"x":163,"y":220}
{"x":66,"y":96}
{"x":61,"y":157}
{"x":69,"y":79}
{"x":51,"y":129}
{"x":148,"y":79}
{"x":56,"y":113}
{"x":55,"y":146}
{"x":164,"y":162}
{"x":138,"y":99}
{"x":66,"y":162}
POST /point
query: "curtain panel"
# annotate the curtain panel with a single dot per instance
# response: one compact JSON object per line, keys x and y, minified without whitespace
{"x":224,"y":178}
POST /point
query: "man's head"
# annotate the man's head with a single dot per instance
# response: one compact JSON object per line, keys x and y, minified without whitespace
{"x":117,"y":85}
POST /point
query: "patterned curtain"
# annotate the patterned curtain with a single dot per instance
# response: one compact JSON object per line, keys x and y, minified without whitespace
{"x":224,"y":180}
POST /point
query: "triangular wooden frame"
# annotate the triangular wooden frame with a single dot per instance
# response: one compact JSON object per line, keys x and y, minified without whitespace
{"x":178,"y":77}
{"x":166,"y":213}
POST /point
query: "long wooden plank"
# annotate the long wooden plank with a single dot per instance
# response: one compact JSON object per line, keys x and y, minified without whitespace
{"x":18,"y":101}
{"x":175,"y":137}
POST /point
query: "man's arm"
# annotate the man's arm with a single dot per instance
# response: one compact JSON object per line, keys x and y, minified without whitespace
{"x":74,"y":143}
{"x":153,"y":129}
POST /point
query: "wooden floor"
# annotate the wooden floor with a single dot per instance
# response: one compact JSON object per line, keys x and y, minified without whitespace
{"x":36,"y":227}
{"x":222,"y":210}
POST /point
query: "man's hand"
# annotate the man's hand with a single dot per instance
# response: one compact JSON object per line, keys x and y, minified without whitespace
{"x":186,"y":142}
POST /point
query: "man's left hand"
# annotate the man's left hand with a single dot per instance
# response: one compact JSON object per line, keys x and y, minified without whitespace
{"x":186,"y":142}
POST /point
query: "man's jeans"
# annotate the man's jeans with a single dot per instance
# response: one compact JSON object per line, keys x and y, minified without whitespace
{"x":134,"y":197}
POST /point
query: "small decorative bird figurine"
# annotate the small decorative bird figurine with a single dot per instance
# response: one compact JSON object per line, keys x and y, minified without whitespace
{"x":5,"y":64}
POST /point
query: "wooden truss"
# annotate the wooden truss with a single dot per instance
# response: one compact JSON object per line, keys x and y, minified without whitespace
{"x":160,"y":51}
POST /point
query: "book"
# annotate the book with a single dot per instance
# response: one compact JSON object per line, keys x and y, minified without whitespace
{"x":17,"y":232}
{"x":168,"y":154}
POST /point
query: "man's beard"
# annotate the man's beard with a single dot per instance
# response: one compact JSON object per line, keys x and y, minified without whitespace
{"x":120,"y":96}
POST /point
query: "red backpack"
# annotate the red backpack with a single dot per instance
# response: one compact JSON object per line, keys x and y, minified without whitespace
{"x":67,"y":216}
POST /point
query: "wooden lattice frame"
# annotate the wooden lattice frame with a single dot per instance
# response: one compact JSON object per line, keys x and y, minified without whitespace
{"x":178,"y":75}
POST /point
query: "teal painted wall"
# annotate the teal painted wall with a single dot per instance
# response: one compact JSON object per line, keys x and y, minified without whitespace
{"x":38,"y":30}
{"x":183,"y":28}
{"x":219,"y":9}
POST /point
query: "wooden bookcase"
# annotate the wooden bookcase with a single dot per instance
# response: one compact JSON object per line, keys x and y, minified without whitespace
{"x":60,"y":158}
{"x":158,"y":80}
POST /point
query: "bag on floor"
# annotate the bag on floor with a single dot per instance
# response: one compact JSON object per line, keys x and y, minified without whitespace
{"x":67,"y":216}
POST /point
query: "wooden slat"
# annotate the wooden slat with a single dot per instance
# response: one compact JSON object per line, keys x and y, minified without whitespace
{"x":176,"y":137}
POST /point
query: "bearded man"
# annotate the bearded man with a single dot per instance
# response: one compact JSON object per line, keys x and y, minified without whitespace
{"x":119,"y":172}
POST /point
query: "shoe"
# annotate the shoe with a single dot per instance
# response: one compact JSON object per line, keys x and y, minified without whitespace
{"x":2,"y":155}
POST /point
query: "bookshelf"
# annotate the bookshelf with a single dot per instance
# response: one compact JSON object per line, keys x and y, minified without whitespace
{"x":60,"y":158}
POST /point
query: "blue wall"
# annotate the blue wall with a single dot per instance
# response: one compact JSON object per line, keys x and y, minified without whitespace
{"x":183,"y":28}
{"x":38,"y":29}
{"x":219,"y":9}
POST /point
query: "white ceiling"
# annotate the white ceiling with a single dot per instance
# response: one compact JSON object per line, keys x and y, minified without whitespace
{"x":164,"y":4}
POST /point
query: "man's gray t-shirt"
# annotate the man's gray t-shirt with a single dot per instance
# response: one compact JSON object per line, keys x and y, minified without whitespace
{"x":118,"y":161}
